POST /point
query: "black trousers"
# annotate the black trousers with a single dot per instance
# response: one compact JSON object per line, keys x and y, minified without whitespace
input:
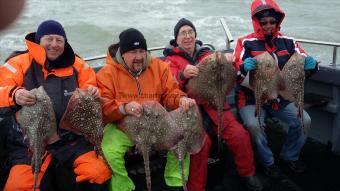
{"x":6,"y":123}
{"x":58,"y":177}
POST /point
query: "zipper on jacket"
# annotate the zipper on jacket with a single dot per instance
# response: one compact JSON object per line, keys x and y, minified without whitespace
{"x":138,"y":86}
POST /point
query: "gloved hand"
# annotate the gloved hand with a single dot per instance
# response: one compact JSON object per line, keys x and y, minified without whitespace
{"x":310,"y":63}
{"x":90,"y":168}
{"x":249,"y":64}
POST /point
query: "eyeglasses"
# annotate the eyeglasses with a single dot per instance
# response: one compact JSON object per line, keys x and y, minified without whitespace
{"x":191,"y":33}
{"x":271,"y":22}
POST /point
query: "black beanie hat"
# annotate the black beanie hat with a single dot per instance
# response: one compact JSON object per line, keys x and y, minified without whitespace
{"x":131,"y":39}
{"x":49,"y":27}
{"x":268,"y":13}
{"x":182,"y":22}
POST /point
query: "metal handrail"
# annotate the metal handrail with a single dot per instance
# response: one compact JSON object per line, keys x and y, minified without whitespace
{"x":229,"y":37}
{"x":335,"y":46}
{"x":319,"y":42}
{"x":149,"y":49}
{"x":104,"y":55}
{"x":95,"y":57}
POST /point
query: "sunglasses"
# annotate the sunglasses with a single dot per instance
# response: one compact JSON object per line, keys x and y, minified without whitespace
{"x":271,"y":22}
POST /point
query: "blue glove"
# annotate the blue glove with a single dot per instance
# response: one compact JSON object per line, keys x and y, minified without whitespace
{"x":310,"y":63}
{"x":249,"y":64}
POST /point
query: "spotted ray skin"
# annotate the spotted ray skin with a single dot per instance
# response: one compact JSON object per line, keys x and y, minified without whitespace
{"x":83,"y":116}
{"x":38,"y":123}
{"x":153,"y":130}
{"x":266,"y":81}
{"x":216,"y":78}
{"x":293,"y":74}
{"x":190,"y":122}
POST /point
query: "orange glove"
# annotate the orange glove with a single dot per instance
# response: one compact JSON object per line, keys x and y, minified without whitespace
{"x":90,"y":168}
{"x":21,"y":176}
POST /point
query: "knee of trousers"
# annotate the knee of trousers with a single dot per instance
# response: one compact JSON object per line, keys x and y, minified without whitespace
{"x":115,"y":142}
{"x":238,"y":135}
{"x":114,"y":152}
{"x":254,"y":129}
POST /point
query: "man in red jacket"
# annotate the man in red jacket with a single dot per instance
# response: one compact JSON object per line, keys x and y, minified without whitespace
{"x":183,"y":54}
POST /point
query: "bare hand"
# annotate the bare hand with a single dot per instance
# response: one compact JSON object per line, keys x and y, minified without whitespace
{"x":134,"y":108}
{"x":190,"y":71}
{"x":93,"y":91}
{"x":24,"y":97}
{"x":185,"y":103}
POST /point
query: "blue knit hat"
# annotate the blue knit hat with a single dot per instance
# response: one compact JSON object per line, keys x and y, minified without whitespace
{"x":49,"y":27}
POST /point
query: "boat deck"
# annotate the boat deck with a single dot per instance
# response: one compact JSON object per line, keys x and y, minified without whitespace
{"x":322,"y":174}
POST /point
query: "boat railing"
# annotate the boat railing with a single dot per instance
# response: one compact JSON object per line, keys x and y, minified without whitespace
{"x":104,"y":55}
{"x":152,"y":49}
{"x":335,"y":46}
{"x":229,"y":37}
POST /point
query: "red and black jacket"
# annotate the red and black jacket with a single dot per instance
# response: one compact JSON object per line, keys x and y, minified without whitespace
{"x":178,"y":59}
{"x":281,"y":47}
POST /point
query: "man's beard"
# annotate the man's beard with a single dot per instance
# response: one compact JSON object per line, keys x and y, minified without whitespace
{"x":137,"y":65}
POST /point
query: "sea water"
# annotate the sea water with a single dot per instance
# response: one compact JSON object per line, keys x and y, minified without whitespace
{"x":92,"y":25}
